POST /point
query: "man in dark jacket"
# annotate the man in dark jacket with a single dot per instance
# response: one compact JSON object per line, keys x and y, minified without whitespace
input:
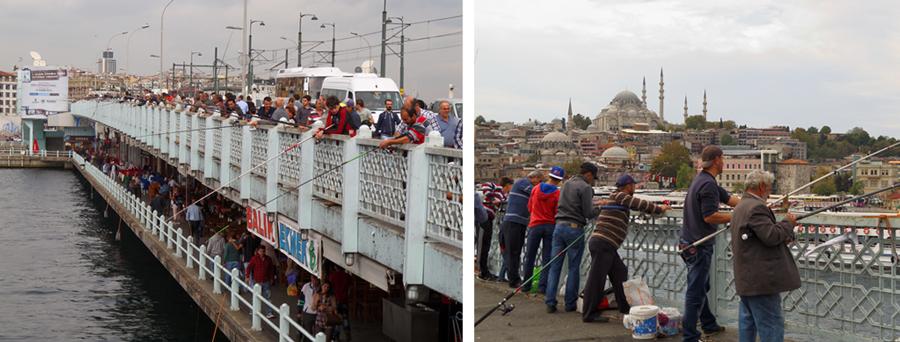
{"x":387,"y":121}
{"x":763,"y":264}
{"x":576,"y":208}
{"x":515,"y":224}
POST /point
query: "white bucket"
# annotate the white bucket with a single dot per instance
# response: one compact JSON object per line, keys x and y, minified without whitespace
{"x":642,"y":321}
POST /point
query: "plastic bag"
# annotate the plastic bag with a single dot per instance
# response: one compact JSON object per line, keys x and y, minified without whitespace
{"x":669,"y":322}
{"x":637,"y":292}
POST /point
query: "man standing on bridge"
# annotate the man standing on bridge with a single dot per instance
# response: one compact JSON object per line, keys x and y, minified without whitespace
{"x":576,"y":208}
{"x":608,"y":236}
{"x":195,"y":219}
{"x":542,"y":206}
{"x":262,"y":270}
{"x":701,"y":217}
{"x":515,"y":224}
{"x":763,"y":264}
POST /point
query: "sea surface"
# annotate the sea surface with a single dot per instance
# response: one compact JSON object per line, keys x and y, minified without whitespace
{"x":65,"y":277}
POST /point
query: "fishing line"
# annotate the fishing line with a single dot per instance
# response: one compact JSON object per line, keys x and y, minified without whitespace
{"x":286,"y":150}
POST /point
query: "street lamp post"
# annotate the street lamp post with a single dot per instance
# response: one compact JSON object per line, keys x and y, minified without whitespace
{"x":108,"y":43}
{"x":300,"y":35}
{"x":384,"y":21}
{"x":367,"y":43}
{"x":250,"y":54}
{"x":161,"y":28}
{"x":402,"y":46}
{"x":332,"y":40}
{"x":191,"y":84}
{"x":128,"y":46}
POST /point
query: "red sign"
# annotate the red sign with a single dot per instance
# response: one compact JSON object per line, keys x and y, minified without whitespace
{"x":258,"y":224}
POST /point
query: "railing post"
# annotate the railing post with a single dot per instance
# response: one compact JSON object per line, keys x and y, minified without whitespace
{"x":235,"y":290}
{"x":201,"y":256}
{"x":163,"y":144}
{"x":217,"y":275}
{"x":225,"y":157}
{"x":284,"y":329}
{"x":188,"y":248}
{"x":350,"y":203}
{"x":274,"y":148}
{"x":178,"y":237}
{"x":320,"y":337}
{"x":210,"y":148}
{"x":418,"y":170}
{"x":173,"y":149}
{"x":307,"y":172}
{"x":246,"y":143}
{"x":169,"y":230}
{"x":195,"y":143}
{"x":182,"y":139}
{"x":256,"y":322}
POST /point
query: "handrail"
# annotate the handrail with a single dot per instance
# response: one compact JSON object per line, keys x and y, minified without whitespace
{"x":178,"y":243}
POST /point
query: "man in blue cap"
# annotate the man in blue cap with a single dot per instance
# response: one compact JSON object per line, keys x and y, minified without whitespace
{"x":608,"y":235}
{"x":542,"y":206}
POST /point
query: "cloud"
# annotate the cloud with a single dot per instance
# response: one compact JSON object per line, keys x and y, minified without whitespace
{"x":763,"y":62}
{"x":74,"y":32}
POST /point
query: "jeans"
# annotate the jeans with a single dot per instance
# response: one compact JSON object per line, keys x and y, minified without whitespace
{"x":230,"y":265}
{"x":267,"y":294}
{"x":563,"y":236}
{"x":484,"y":247}
{"x":515,"y":239}
{"x":540,"y":235}
{"x":761,"y":315}
{"x":696,"y":305}
{"x":195,"y":230}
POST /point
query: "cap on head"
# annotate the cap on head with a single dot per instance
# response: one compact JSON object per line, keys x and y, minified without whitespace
{"x":588,"y":167}
{"x":624,"y":180}
{"x":557,"y":172}
{"x":709,"y":154}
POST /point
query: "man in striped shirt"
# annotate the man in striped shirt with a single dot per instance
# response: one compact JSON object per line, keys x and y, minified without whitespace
{"x":494,"y":196}
{"x":608,"y":235}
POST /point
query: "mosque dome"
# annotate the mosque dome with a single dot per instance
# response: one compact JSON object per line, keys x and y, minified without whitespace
{"x":615,"y":152}
{"x":556,"y":137}
{"x":626,"y":97}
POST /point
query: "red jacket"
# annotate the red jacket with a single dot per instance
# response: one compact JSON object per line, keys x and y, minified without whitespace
{"x":340,"y":122}
{"x":261,"y":268}
{"x":542,"y":204}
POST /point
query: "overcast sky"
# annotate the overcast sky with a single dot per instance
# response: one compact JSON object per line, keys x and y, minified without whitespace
{"x":763,"y":63}
{"x":74,"y":32}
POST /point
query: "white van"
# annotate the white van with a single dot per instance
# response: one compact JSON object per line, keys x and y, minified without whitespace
{"x":370,"y":88}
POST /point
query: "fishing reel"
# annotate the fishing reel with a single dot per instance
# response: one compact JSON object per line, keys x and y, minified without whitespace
{"x":506,"y":309}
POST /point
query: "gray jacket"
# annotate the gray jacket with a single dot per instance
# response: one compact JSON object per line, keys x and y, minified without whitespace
{"x":576,"y":202}
{"x":763,"y":264}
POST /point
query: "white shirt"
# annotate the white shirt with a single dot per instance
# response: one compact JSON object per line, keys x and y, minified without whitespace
{"x":244,"y":107}
{"x":308,"y":291}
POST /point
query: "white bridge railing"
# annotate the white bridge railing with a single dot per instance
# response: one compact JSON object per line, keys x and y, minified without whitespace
{"x":195,"y":256}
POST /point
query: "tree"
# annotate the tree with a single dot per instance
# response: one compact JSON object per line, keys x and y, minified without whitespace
{"x":857,"y":136}
{"x":479,"y":120}
{"x":685,"y":176}
{"x":695,"y":122}
{"x":812,"y":130}
{"x":671,"y":158}
{"x":726,"y":139}
{"x":729,"y":124}
{"x":737,"y":188}
{"x":580,"y":121}
{"x":825,"y":130}
{"x":825,"y":188}
{"x":856,"y":188}
{"x":572,"y":167}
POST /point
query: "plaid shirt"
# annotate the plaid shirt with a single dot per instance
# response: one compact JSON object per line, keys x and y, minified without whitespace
{"x":459,"y":135}
{"x":430,"y":122}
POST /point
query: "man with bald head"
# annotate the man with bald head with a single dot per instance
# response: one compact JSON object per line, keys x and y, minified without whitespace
{"x":279,"y":110}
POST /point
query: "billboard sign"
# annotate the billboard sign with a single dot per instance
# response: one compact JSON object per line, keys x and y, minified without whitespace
{"x":258,"y":224}
{"x":42,"y":90}
{"x":306,"y":253}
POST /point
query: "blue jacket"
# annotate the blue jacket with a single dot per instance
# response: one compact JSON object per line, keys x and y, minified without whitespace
{"x":517,"y":202}
{"x":387,"y":124}
{"x":480,"y":213}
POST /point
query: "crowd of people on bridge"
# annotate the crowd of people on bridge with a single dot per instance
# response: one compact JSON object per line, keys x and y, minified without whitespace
{"x":409,"y":125}
{"x":553,"y":214}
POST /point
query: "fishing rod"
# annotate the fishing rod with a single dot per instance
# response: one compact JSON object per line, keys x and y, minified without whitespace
{"x":745,"y":236}
{"x":507,"y":308}
{"x":714,"y":234}
{"x":286,"y":150}
{"x":235,"y":124}
{"x":358,"y":156}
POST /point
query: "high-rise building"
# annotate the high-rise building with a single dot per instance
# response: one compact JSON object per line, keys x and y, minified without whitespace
{"x":106,"y":64}
{"x":7,"y":93}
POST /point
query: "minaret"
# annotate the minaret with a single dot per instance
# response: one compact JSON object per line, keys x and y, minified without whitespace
{"x":704,"y":104}
{"x":661,"y":96}
{"x":685,"y":109}
{"x":644,"y":93}
{"x":569,"y":122}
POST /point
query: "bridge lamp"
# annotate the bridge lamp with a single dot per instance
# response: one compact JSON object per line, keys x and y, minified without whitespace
{"x":348,"y":259}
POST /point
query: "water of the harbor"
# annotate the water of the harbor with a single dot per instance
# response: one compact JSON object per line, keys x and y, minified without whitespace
{"x":64,"y":277}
